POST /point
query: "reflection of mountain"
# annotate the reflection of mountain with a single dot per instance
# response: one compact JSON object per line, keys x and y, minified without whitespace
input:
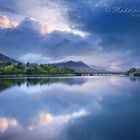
{"x":76,"y":81}
{"x":7,"y":83}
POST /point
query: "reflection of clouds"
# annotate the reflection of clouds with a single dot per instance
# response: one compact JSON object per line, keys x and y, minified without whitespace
{"x":114,"y":81}
{"x":86,"y":87}
{"x":59,"y":98}
{"x":6,"y":123}
{"x":45,"y":118}
{"x":94,"y":85}
{"x":48,"y":116}
{"x":48,"y":119}
{"x":117,"y":81}
{"x":122,"y":82}
{"x":38,"y":88}
{"x":51,"y":126}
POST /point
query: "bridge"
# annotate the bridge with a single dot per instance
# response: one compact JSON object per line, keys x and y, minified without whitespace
{"x":103,"y":74}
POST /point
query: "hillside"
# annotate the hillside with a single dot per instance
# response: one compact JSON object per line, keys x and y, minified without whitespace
{"x":4,"y":58}
{"x":78,"y":66}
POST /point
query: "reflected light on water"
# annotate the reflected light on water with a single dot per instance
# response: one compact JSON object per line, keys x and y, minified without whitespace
{"x":97,"y":108}
{"x":91,"y":85}
{"x":48,"y":119}
{"x":45,"y":118}
{"x":7,"y":123}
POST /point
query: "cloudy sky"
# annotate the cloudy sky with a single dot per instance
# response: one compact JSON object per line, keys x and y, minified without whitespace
{"x":104,"y":33}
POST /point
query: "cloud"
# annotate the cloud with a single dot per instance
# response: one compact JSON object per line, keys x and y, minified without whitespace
{"x":5,"y":123}
{"x":88,"y":30}
{"x":6,"y":23}
{"x":21,"y":39}
{"x":52,"y":12}
{"x":47,"y":118}
{"x":45,"y":11}
{"x":118,"y":30}
{"x":26,"y":40}
{"x":54,"y":124}
{"x":32,"y":57}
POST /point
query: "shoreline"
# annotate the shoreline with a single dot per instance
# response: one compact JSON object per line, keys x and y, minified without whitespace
{"x":36,"y":75}
{"x":55,"y":75}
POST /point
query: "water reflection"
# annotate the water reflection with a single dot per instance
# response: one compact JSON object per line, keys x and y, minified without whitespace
{"x":7,"y":83}
{"x":6,"y":123}
{"x":99,"y":108}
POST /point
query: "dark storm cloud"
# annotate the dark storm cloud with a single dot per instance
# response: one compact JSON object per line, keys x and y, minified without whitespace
{"x":105,"y":18}
{"x":20,"y":39}
{"x":27,"y":38}
{"x":63,"y":44}
{"x":117,"y":22}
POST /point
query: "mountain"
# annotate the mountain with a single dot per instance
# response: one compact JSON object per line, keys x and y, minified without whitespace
{"x":100,"y":69}
{"x":4,"y":58}
{"x":79,"y":67}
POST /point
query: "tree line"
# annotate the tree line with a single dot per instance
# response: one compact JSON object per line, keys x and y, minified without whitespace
{"x":134,"y":71}
{"x":32,"y":69}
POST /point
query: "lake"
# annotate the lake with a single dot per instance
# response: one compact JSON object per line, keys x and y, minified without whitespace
{"x":73,"y":108}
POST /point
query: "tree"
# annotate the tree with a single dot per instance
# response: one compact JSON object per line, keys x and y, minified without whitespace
{"x":28,"y":71}
{"x":9,"y":69}
{"x":33,"y":69}
{"x":28,"y":64}
{"x":132,"y":70}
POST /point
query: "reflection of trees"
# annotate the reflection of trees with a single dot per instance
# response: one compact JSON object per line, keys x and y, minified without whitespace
{"x":7,"y":83}
{"x":44,"y":81}
{"x":133,"y":79}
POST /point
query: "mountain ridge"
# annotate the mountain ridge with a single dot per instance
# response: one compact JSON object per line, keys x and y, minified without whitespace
{"x":78,"y":66}
{"x":4,"y":58}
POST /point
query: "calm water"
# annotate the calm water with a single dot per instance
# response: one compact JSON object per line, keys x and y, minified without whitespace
{"x":84,"y":108}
